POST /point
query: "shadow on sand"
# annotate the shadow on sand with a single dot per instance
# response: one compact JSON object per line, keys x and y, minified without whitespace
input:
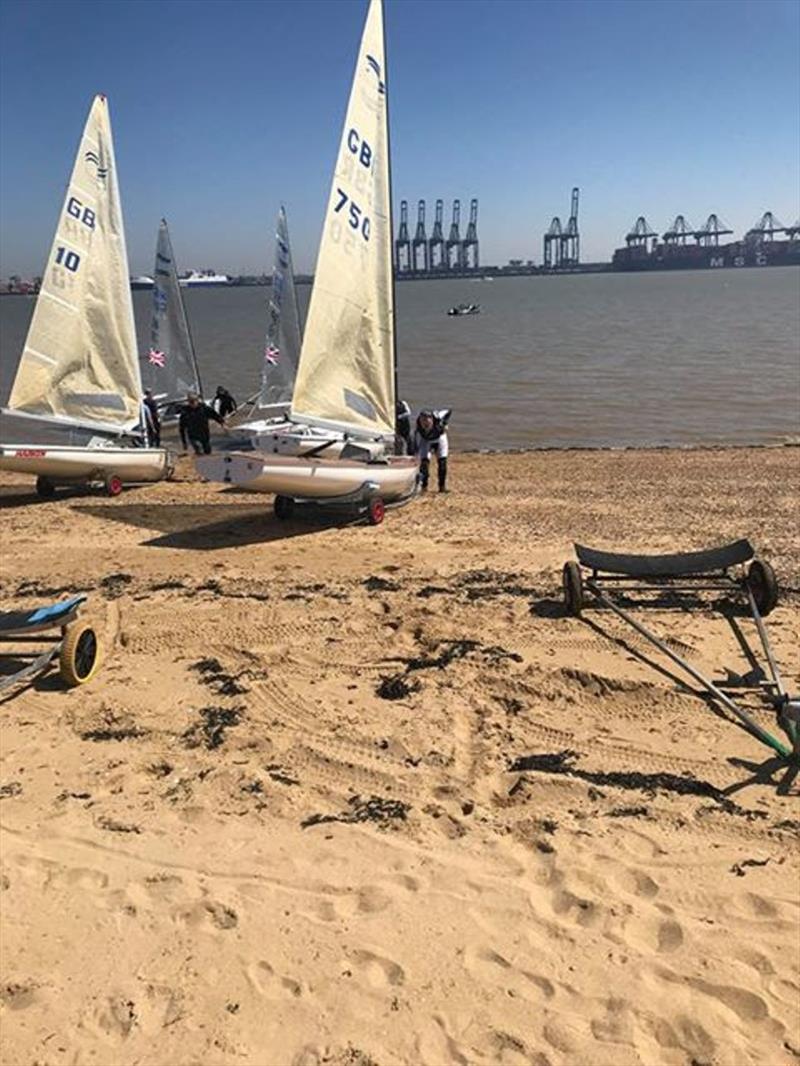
{"x":207,"y":527}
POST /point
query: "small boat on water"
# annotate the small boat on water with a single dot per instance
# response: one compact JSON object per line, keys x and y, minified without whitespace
{"x":169,"y":367}
{"x":465,"y":309}
{"x":345,"y":384}
{"x":75,"y":404}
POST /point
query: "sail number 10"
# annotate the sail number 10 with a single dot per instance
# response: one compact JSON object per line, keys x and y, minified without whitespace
{"x":355,"y":216}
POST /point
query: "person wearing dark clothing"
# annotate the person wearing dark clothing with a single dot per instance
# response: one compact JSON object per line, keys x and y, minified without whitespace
{"x":402,"y":429}
{"x":152,"y":419}
{"x":193,"y":423}
{"x":224,"y":403}
{"x":431,"y":436}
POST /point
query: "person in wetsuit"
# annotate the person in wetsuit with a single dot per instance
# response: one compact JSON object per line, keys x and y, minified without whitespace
{"x":193,"y":423}
{"x":152,"y":419}
{"x":224,"y":403}
{"x":402,"y":429}
{"x":431,"y":436}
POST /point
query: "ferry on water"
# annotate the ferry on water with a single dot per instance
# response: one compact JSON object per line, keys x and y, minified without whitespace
{"x":203,"y":278}
{"x":141,"y":282}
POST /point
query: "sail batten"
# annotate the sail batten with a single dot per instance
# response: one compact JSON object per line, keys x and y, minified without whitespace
{"x":346,"y":371}
{"x":79,"y":361}
{"x":169,"y":368}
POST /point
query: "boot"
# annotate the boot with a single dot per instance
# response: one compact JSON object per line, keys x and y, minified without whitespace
{"x":441,"y":469}
{"x":424,"y":473}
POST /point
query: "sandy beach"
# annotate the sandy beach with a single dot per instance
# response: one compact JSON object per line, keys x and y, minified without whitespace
{"x":294,"y":819}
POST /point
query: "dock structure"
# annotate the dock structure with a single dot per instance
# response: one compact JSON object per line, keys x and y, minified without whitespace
{"x":561,"y":246}
{"x":420,"y":243}
{"x":437,"y":256}
{"x":402,"y":246}
{"x":436,"y":243}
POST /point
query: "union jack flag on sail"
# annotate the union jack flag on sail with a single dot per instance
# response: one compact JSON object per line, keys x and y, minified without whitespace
{"x":271,"y":354}
{"x":156,"y":357}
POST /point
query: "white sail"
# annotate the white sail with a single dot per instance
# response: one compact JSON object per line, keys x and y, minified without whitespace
{"x":79,"y":363}
{"x":169,"y":368}
{"x":346,"y":374}
{"x":282,"y":345}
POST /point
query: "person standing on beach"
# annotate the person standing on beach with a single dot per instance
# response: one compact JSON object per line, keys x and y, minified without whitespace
{"x":402,"y":428}
{"x":152,"y":419}
{"x":431,"y":436}
{"x":224,"y":403}
{"x":193,"y":423}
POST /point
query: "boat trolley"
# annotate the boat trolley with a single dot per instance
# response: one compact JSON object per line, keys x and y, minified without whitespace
{"x":614,"y":576}
{"x":64,"y":634}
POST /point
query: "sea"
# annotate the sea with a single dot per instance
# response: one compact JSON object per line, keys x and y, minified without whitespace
{"x":559,"y":361}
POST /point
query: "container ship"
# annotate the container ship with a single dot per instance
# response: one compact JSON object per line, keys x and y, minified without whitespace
{"x":759,"y":247}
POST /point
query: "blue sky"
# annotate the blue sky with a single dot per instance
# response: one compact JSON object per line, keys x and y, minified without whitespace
{"x":222,"y":109}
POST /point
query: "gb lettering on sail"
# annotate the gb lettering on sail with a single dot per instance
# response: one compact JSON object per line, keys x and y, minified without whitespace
{"x":346,"y":375}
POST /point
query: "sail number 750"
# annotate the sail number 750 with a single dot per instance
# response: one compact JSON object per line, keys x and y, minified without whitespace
{"x":355,"y":216}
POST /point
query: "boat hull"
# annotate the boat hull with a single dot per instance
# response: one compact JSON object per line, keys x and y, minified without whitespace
{"x":64,"y":464}
{"x":310,"y":478}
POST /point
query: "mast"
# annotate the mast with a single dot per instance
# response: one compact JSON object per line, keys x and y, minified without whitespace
{"x":391,"y":220}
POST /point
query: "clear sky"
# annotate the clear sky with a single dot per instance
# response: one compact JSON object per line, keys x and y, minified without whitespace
{"x":221,"y":109}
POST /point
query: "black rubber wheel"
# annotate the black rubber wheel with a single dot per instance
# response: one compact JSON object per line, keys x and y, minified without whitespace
{"x":79,"y":657}
{"x":573,"y":588}
{"x":376,"y":511}
{"x":763,"y":584}
{"x":45,"y":488}
{"x":284,"y":507}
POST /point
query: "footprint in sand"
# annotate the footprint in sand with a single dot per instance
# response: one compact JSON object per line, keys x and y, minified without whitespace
{"x":207,"y":911}
{"x":379,"y":971}
{"x":488,"y":967}
{"x":270,"y":984}
{"x":112,"y":1018}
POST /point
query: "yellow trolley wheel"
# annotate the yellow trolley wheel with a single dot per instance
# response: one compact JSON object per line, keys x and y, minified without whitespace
{"x":80,"y":654}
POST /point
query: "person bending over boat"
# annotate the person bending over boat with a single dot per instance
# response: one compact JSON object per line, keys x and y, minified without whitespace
{"x":224,"y":403}
{"x":431,"y":436}
{"x":152,"y":419}
{"x":193,"y":423}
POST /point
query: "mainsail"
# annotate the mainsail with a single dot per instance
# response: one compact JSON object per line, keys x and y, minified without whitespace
{"x":282,"y":345}
{"x":346,"y":374}
{"x":79,"y":364}
{"x":169,"y":368}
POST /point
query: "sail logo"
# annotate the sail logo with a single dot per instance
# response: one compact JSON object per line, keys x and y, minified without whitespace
{"x":159,"y":299}
{"x":375,"y":67}
{"x":93,"y":157}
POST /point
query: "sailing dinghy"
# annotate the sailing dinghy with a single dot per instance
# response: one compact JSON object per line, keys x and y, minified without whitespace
{"x":78,"y":383}
{"x":345,"y":386}
{"x":169,"y":369}
{"x":267,"y":412}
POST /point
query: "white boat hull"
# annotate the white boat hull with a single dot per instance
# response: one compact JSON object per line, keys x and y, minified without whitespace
{"x":310,"y":478}
{"x":64,"y":464}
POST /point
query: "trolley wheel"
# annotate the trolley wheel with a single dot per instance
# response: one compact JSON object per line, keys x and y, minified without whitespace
{"x":763,"y":584}
{"x":573,"y":588}
{"x":376,"y":511}
{"x":284,"y":507}
{"x":45,"y":488}
{"x":113,"y":485}
{"x":79,"y":655}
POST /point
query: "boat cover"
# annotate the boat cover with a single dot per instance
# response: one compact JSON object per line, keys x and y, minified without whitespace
{"x":682,"y":564}
{"x":53,"y":614}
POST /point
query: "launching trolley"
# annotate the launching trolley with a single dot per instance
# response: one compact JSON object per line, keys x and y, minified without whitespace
{"x":731,"y":570}
{"x":64,"y":635}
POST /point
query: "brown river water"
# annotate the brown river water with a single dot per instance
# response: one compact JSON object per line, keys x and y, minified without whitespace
{"x":599,"y":360}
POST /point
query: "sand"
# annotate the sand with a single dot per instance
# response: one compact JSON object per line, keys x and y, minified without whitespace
{"x":230,"y":848}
